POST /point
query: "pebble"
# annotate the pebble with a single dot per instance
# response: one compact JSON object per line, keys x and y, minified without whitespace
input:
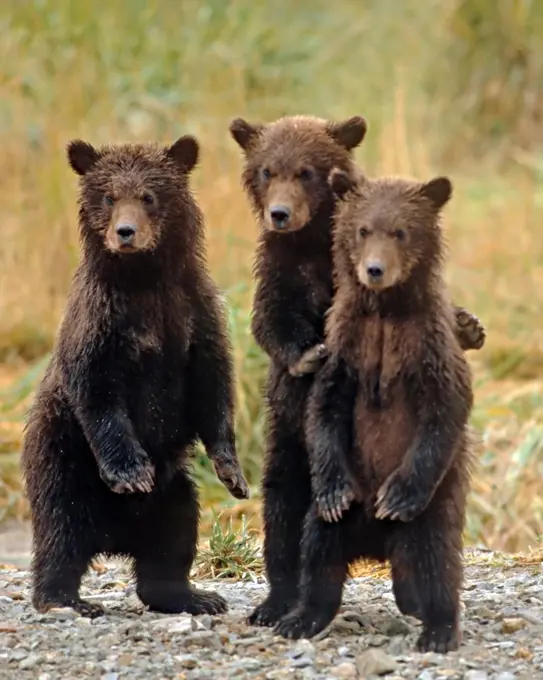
{"x":375,"y":662}
{"x":62,"y":614}
{"x":512,"y":625}
{"x":426,"y":675}
{"x":476,"y":675}
{"x":502,"y":626}
{"x":345,"y":670}
{"x":30,"y":661}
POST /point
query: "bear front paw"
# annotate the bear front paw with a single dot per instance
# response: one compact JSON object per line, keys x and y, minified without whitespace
{"x":470,"y":331}
{"x":136,"y":474}
{"x":399,"y":499}
{"x":334,"y":501}
{"x":229,"y":472}
{"x":309,"y":362}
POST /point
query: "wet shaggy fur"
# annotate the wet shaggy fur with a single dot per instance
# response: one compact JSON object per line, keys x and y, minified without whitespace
{"x":141,"y":370}
{"x":387,"y":416}
{"x":287,"y":165}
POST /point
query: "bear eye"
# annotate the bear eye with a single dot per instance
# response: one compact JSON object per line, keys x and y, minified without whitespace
{"x":266,"y":174}
{"x":399,"y":234}
{"x":148,"y":199}
{"x":108,"y":200}
{"x":306,"y":174}
{"x":363,"y":232}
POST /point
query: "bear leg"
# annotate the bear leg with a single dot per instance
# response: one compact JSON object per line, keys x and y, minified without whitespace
{"x":164,"y":548}
{"x":426,"y":558}
{"x":287,"y":496}
{"x":324,"y":569}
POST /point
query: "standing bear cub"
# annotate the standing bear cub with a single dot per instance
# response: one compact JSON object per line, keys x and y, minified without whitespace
{"x":387,"y":416}
{"x":142,"y":369}
{"x":287,"y":165}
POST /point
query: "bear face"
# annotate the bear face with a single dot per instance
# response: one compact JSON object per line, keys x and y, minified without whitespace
{"x":288,"y":163}
{"x":129,"y":193}
{"x":388,"y":228}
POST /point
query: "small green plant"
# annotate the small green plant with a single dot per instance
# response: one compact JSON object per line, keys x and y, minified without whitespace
{"x":230,"y":553}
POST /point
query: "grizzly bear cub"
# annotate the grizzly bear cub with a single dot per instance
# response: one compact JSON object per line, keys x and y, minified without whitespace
{"x":287,"y":164}
{"x":142,"y":369}
{"x":387,"y":415}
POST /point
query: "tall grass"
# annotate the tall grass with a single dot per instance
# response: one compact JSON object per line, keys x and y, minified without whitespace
{"x":448,"y":86}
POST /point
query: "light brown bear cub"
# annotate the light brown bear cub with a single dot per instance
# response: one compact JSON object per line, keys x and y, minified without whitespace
{"x":388,"y":413}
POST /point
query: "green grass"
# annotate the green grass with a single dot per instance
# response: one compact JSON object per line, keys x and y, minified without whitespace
{"x":448,"y":86}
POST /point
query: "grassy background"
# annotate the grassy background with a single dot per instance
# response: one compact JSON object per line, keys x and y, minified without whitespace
{"x":448,"y":86}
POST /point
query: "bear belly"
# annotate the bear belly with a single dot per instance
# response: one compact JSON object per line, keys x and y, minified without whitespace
{"x":383,"y":433}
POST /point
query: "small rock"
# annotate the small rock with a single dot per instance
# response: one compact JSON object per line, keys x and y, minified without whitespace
{"x":181,"y":627}
{"x":505,"y":675}
{"x":303,"y":648}
{"x":346,"y":627}
{"x":206,"y":621}
{"x":187,"y":660}
{"x":204,"y":638}
{"x":476,"y":675}
{"x":396,"y":627}
{"x":83,"y":621}
{"x":484,"y":612}
{"x":125,"y":660}
{"x":344,"y":670}
{"x":426,"y":675}
{"x":375,"y":662}
{"x":398,"y":645}
{"x":62,"y":614}
{"x":301,"y":662}
{"x":512,"y":625}
{"x":110,"y":676}
{"x":523,"y":653}
{"x":363,"y":621}
{"x":30,"y":661}
{"x":529,"y":616}
{"x":377,"y":640}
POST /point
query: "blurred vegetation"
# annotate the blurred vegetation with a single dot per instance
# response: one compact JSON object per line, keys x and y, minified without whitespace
{"x":448,"y":86}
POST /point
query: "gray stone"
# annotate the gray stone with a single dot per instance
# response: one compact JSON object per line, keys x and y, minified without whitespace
{"x":476,"y":675}
{"x":375,"y":662}
{"x":30,"y":661}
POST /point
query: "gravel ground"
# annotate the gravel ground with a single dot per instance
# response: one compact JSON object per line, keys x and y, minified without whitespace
{"x":502,"y":625}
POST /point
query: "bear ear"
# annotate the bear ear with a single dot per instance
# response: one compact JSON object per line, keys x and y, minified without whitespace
{"x":184,"y":153}
{"x":244,"y":133}
{"x":81,"y":156}
{"x":349,"y":133}
{"x":438,"y":191}
{"x":341,"y":182}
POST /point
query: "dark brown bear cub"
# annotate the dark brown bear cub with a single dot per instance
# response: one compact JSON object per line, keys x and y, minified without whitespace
{"x":287,"y":164}
{"x":141,"y":370}
{"x":387,"y":416}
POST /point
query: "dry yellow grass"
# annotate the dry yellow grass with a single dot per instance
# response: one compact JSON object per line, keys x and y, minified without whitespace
{"x":154,"y":72}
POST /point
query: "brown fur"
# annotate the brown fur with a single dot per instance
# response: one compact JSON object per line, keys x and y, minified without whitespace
{"x":293,"y":270}
{"x":387,"y":418}
{"x":289,"y":163}
{"x":141,"y":370}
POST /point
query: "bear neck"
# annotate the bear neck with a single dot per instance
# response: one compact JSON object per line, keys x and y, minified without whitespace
{"x":415,"y":296}
{"x":174,"y":261}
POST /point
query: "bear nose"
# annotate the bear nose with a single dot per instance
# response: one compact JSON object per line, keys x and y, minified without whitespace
{"x":280,"y":215}
{"x":126,"y":232}
{"x":375,"y":270}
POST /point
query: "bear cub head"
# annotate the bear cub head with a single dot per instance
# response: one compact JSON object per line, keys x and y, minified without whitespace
{"x":388,"y":229}
{"x":287,"y":164}
{"x":131,"y":194}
